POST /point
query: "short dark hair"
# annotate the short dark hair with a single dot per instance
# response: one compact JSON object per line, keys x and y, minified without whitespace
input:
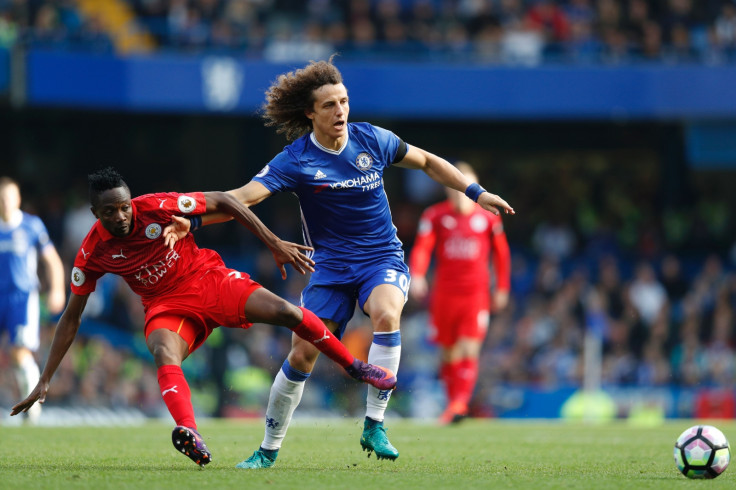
{"x":103,"y":180}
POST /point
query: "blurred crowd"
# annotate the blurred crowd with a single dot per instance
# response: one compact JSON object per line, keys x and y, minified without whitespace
{"x":484,"y":31}
{"x":663,"y":319}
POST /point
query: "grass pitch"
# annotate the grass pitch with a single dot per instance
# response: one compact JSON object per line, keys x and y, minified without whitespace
{"x":326,"y":454}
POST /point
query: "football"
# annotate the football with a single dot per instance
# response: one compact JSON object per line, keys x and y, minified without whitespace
{"x":702,"y":451}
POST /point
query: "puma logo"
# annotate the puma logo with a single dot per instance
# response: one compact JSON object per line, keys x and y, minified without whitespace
{"x":119,"y":256}
{"x":85,"y":254}
{"x":162,"y":202}
{"x":326,"y":336}
{"x":172,"y":389}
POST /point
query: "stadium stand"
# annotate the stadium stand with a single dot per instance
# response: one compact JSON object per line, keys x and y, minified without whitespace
{"x":506,"y":31}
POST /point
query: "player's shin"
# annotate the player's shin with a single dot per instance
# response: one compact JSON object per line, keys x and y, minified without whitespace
{"x":27,"y":375}
{"x":312,"y":329}
{"x":176,"y":395}
{"x":286,"y":393}
{"x":385,"y":351}
{"x":466,"y":378}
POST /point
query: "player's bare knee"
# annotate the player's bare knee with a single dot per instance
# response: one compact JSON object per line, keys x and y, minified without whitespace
{"x":303,"y":357}
{"x":164,"y":354}
{"x":385,"y":321}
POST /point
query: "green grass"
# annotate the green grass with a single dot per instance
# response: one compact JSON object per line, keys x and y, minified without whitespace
{"x":326,"y":454}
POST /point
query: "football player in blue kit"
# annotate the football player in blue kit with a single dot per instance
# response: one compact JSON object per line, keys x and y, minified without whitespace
{"x":336,"y":170}
{"x":24,"y":242}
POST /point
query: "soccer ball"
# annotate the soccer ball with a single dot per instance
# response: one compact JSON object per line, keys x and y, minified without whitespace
{"x":702,"y":451}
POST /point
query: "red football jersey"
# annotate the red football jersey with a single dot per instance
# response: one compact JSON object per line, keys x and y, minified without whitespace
{"x":464,"y":245}
{"x":149,"y":267}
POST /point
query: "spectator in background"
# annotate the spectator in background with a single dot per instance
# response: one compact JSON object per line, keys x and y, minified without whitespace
{"x":673,"y":280}
{"x":24,"y":242}
{"x":637,"y":15}
{"x":723,"y":30}
{"x":551,"y":21}
{"x":464,"y":238}
{"x":647,"y":294}
{"x":554,"y":238}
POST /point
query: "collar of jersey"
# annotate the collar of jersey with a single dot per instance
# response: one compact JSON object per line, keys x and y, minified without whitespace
{"x":327,"y":150}
{"x":106,"y":235}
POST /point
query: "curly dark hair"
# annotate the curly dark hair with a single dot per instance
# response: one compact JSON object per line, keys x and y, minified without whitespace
{"x":102,"y":180}
{"x":293,"y":93}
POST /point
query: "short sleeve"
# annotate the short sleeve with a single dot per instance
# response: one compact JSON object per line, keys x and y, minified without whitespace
{"x":280,"y":174}
{"x":388,"y":142}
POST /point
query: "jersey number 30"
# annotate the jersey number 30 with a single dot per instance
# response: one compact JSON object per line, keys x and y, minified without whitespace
{"x":393,"y":276}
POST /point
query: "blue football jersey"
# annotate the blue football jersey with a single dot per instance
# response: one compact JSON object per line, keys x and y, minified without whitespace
{"x":20,"y":244}
{"x":345,"y":211}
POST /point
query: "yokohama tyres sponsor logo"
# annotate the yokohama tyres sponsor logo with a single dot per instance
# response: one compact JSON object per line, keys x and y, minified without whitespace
{"x":367,"y":182}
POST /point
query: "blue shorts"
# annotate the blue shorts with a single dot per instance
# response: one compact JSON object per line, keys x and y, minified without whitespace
{"x":333,"y":290}
{"x":20,"y":316}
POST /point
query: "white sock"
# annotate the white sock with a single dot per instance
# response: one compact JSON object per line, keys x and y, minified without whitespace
{"x":387,"y":356}
{"x":283,"y":400}
{"x":27,"y":374}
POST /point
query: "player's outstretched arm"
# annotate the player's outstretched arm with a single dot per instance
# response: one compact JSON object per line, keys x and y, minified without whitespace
{"x":443,"y":172}
{"x":66,"y":331}
{"x":250,"y":194}
{"x":283,"y":252}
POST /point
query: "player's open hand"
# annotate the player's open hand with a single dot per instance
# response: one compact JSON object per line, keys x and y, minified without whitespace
{"x":176,"y":230}
{"x":492,"y":202}
{"x":37,"y":395}
{"x":292,"y":253}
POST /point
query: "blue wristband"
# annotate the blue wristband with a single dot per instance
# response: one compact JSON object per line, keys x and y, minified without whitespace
{"x":474,"y":191}
{"x":196,"y":222}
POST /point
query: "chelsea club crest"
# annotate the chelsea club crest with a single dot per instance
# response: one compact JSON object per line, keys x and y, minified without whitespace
{"x":364,"y":161}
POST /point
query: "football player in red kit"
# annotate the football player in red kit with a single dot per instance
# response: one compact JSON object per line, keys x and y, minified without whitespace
{"x":186,"y":292}
{"x":464,"y":237}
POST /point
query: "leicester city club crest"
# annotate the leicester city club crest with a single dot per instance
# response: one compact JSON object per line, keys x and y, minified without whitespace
{"x":153,"y":231}
{"x":364,"y":161}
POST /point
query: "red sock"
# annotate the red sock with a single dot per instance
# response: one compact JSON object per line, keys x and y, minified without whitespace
{"x":465,"y":376}
{"x":176,"y":395}
{"x":446,"y":378}
{"x":453,"y":381}
{"x":312,"y":329}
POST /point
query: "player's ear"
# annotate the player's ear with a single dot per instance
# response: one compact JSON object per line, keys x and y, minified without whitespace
{"x":94,"y":212}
